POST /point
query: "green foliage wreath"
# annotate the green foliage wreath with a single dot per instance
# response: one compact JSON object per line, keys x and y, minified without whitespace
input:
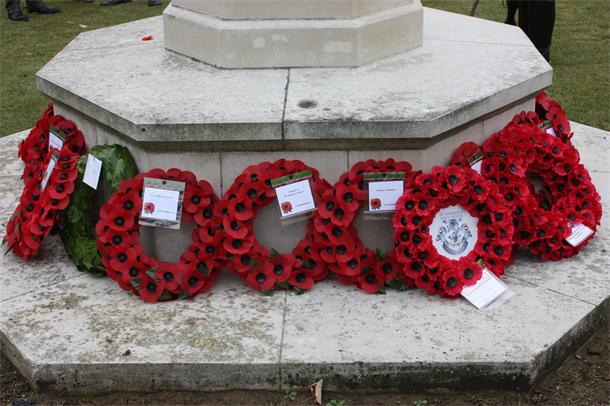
{"x":78,"y":220}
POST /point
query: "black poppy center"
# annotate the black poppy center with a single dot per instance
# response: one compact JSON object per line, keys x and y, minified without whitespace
{"x":468,"y":273}
{"x":168,"y":276}
{"x":301,"y":277}
{"x":195,"y":199}
{"x":352,"y":263}
{"x":453,"y":179}
{"x":348,"y":197}
{"x":119,"y":221}
{"x":117,"y":239}
{"x":193,"y":281}
{"x":151,"y":287}
{"x":122,"y":257}
{"x":278,"y":270}
{"x":452,"y":282}
{"x":240,"y":207}
{"x":261,"y":277}
{"x":128,"y":205}
{"x":337,"y":231}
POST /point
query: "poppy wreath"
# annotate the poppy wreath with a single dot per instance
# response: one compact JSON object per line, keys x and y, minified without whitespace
{"x":543,"y":214}
{"x":34,"y":148}
{"x":340,"y":246}
{"x":124,"y":258}
{"x":77,"y":223}
{"x":415,"y":213}
{"x":38,"y":210}
{"x":265,"y":270}
{"x":35,"y":145}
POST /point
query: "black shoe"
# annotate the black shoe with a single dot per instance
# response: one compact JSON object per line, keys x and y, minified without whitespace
{"x":15,"y":14}
{"x":154,"y":3}
{"x":40,"y":7}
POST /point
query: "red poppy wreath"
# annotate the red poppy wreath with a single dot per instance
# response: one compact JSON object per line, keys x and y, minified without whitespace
{"x":337,"y":238}
{"x":38,"y":208}
{"x":34,"y":148}
{"x":262,"y":269}
{"x":448,"y":225}
{"x":125,"y":260}
{"x":564,"y":195}
{"x":544,"y":210}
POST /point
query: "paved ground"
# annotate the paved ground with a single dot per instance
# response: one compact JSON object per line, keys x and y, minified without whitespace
{"x":584,"y":379}
{"x":68,"y":331}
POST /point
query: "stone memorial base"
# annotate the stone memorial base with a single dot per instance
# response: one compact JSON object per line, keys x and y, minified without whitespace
{"x":466,"y":81}
{"x":68,"y":331}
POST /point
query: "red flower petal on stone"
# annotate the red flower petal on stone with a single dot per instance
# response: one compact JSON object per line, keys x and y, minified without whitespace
{"x":371,"y":282}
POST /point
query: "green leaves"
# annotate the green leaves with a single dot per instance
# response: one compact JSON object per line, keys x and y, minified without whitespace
{"x":77,"y":223}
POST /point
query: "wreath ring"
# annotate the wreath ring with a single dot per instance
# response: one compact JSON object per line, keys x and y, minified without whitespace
{"x":338,"y":240}
{"x":123,"y":256}
{"x":262,"y":269}
{"x":77,"y":222}
{"x":447,"y":272}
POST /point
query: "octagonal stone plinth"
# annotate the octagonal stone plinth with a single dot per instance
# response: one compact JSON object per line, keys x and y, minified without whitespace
{"x":295,"y":33}
{"x":68,"y":331}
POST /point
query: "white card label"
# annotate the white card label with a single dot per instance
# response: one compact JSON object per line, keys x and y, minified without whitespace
{"x":162,"y":203}
{"x":454,"y":232}
{"x":383,"y":195}
{"x":93,"y":170}
{"x":551,"y":131}
{"x":487,"y":290}
{"x":475,"y":161}
{"x":55,"y":141}
{"x":580,"y":232}
{"x":295,"y":198}
{"x":48,"y":172}
{"x":476,"y":166}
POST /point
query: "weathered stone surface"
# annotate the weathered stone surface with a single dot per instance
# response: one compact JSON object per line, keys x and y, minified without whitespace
{"x":65,"y":330}
{"x":287,"y":34}
{"x":466,"y":71}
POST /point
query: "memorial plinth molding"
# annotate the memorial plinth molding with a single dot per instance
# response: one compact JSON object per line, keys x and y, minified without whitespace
{"x":466,"y":80}
{"x":294,"y":33}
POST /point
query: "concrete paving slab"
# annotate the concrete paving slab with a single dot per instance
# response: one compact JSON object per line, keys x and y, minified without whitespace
{"x":65,"y":330}
{"x":399,"y":341}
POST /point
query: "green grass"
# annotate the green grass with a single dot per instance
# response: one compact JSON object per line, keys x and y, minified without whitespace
{"x":580,"y":53}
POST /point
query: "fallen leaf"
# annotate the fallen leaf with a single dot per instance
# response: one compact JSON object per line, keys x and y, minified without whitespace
{"x":316,"y":392}
{"x":83,"y":26}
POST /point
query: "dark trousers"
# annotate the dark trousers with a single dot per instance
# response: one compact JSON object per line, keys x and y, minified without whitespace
{"x":13,"y":3}
{"x":537,"y":19}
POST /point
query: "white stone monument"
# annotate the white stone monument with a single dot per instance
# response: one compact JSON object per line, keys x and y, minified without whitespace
{"x":292,"y":33}
{"x":225,"y":84}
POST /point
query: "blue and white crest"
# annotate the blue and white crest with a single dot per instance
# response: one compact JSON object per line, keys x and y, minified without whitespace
{"x":454,"y":236}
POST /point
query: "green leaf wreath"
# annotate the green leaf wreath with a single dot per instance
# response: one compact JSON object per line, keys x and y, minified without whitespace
{"x":78,"y":220}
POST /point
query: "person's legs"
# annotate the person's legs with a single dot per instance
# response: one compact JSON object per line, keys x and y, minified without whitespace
{"x":38,"y":6}
{"x":13,"y":9}
{"x":541,"y":24}
{"x":511,"y":10}
{"x":113,"y":2}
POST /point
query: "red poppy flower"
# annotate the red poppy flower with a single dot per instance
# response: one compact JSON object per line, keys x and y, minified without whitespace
{"x":302,"y":279}
{"x":123,"y":258}
{"x":169,"y":275}
{"x":286,"y":207}
{"x":237,"y":245}
{"x":371,"y":282}
{"x":240,"y":208}
{"x":282,"y":266}
{"x":150,"y":290}
{"x":261,"y":278}
{"x":347,"y":197}
{"x":375,"y":203}
{"x":120,"y":219}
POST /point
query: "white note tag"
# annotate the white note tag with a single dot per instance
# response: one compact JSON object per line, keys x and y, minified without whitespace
{"x":49,"y":171}
{"x":295,"y":198}
{"x":547,"y":127}
{"x":55,"y":141}
{"x":162,"y":203}
{"x":580,"y":232}
{"x":487,"y":290}
{"x":93,"y":170}
{"x":384,"y":195}
{"x":475,"y":162}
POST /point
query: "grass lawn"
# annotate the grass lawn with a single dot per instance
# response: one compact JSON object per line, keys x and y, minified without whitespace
{"x":580,"y":52}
